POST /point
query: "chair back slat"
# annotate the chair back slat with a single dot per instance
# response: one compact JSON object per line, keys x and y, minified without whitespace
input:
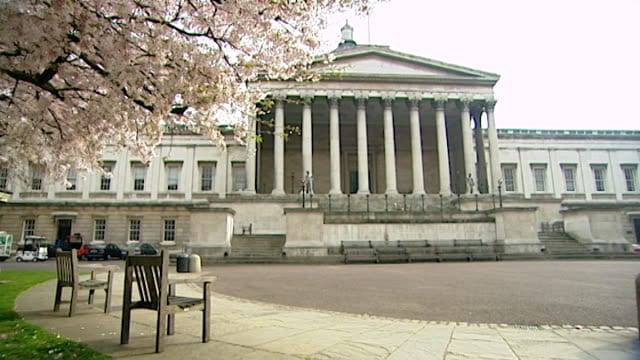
{"x":146,"y":272}
{"x":67,"y":266}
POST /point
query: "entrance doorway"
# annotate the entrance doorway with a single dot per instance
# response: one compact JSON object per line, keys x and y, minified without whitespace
{"x":64,"y":229}
{"x":636,"y":226}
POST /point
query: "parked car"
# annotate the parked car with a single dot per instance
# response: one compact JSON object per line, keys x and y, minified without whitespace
{"x":82,"y":252}
{"x":105,"y":252}
{"x":142,"y":249}
{"x":636,"y":248}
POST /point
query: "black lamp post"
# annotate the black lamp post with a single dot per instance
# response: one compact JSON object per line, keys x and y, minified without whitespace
{"x":500,"y":192}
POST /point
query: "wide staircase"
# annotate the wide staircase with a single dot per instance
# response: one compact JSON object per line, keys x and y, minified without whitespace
{"x":559,"y":244}
{"x":256,"y":248}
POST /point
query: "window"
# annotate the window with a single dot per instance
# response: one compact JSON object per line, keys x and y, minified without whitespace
{"x":629,"y":177}
{"x":134,"y":229}
{"x":105,"y":179}
{"x":238,"y":176}
{"x":139,"y":172}
{"x":28,"y":228}
{"x":509,"y":177}
{"x":569,"y":173}
{"x":207,"y":176}
{"x":173,"y":176}
{"x":539,"y":177}
{"x":37,"y":174}
{"x":169,"y":233}
{"x":599,"y":174}
{"x":99,"y":229}
{"x":71,"y":179}
{"x":4,"y":178}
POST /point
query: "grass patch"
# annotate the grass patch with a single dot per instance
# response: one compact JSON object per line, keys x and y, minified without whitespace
{"x":22,"y":340}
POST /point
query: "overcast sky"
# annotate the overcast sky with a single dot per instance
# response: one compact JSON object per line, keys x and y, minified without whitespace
{"x":564,"y":64}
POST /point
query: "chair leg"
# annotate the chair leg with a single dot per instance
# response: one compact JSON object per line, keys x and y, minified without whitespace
{"x":74,"y":300}
{"x":56,"y":304}
{"x":161,"y":328}
{"x":125,"y":325}
{"x":171,"y":318}
{"x":107,"y":300}
{"x":91,"y":295}
{"x":206,"y":312}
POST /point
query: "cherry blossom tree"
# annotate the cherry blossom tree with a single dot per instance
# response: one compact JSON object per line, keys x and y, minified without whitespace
{"x":79,"y":75}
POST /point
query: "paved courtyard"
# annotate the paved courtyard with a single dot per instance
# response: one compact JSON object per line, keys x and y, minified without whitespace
{"x":588,"y":293}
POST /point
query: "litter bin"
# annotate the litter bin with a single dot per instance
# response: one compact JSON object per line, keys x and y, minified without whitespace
{"x":182,"y":263}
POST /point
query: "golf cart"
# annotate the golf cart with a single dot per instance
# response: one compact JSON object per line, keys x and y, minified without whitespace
{"x":33,"y":249}
{"x":6,"y":241}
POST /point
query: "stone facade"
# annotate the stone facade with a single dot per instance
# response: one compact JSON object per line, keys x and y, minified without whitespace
{"x":391,"y":147}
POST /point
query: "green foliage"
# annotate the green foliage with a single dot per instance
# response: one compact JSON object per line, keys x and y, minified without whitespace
{"x":21,"y":340}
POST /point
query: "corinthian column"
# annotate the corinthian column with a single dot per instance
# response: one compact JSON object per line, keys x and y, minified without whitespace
{"x":363,"y":160}
{"x":278,"y":150}
{"x":250,"y":164}
{"x":307,"y":166}
{"x":416,"y":147}
{"x":389,"y":148}
{"x":443,"y":149}
{"x":334,"y":135}
{"x":467,"y":146}
{"x":493,"y":146}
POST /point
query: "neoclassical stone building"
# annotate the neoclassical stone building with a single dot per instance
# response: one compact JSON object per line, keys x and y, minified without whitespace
{"x":386,"y":146}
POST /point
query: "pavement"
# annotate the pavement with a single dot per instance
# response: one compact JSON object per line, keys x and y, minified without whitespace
{"x":244,"y":329}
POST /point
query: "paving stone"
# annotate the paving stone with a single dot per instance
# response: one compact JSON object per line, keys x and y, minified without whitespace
{"x":259,"y":335}
{"x":307,"y":343}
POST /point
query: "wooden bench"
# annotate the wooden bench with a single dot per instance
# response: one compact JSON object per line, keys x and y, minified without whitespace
{"x":389,"y":251}
{"x":358,"y":251}
{"x":419,"y":250}
{"x":477,"y":249}
{"x":450,"y":250}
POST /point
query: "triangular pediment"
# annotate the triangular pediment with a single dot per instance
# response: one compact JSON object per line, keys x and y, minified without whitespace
{"x":380,"y":61}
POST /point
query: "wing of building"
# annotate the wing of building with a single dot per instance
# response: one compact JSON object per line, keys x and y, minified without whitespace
{"x":385,"y":148}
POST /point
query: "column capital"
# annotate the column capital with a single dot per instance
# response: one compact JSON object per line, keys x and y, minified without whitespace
{"x":306,"y":98}
{"x":440,"y":102}
{"x":279,"y":96}
{"x":490,"y":104}
{"x":334,"y":99}
{"x":465,"y":102}
{"x":414,"y":101}
{"x":361,"y":101}
{"x":387,"y":100}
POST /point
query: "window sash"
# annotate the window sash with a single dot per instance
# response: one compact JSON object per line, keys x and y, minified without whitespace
{"x":139,"y":173}
{"x":105,"y":181}
{"x":36,"y":178}
{"x":99,"y":229}
{"x":539,"y":175}
{"x":134,"y":229}
{"x":71,"y":179}
{"x":569,"y":178}
{"x":239,"y":176}
{"x":508,"y":175}
{"x":630,"y":178}
{"x":173,"y":177}
{"x":169,"y":233}
{"x":4,"y":178}
{"x":207,"y":176}
{"x":599,"y":178}
{"x":28,"y":227}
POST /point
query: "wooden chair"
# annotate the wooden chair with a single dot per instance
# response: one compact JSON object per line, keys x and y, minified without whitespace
{"x":151,"y":274}
{"x":69,"y":276}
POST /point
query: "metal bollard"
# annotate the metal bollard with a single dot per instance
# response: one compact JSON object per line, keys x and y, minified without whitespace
{"x":194,"y":263}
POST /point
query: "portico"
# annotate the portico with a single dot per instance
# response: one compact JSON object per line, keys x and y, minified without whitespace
{"x":374,"y":143}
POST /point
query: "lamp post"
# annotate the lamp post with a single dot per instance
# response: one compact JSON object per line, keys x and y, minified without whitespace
{"x":500,"y":192}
